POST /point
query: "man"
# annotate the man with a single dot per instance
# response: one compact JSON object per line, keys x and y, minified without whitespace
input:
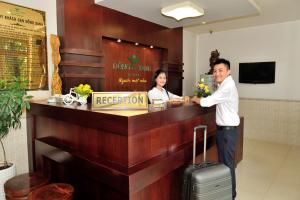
{"x":227,"y":119}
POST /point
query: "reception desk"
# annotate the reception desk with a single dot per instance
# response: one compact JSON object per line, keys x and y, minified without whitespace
{"x":136,"y":155}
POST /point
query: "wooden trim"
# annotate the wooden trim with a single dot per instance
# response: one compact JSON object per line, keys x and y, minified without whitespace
{"x":85,"y":52}
{"x":81,"y":64}
{"x":76,"y":75}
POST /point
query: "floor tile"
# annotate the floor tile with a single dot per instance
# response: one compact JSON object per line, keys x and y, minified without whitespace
{"x":279,"y":191}
{"x":268,"y":171}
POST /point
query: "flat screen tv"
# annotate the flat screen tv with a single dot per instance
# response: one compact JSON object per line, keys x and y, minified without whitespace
{"x":257,"y":72}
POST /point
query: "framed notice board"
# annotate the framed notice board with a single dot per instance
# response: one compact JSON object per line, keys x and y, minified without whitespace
{"x":23,"y":50}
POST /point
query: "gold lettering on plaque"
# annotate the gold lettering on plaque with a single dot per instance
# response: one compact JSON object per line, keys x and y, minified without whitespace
{"x":119,"y":100}
{"x":23,"y":45}
{"x":56,"y":81}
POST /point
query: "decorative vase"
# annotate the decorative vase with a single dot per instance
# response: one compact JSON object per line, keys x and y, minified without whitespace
{"x":208,"y":80}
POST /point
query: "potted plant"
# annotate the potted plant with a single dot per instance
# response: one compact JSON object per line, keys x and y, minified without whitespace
{"x":13,"y":101}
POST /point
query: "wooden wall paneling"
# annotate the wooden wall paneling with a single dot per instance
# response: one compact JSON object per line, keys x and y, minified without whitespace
{"x":175,"y":76}
{"x":119,"y":25}
{"x":81,"y":66}
{"x":82,"y":24}
{"x":175,"y":82}
{"x":153,"y":35}
{"x":175,"y":45}
{"x":60,"y":14}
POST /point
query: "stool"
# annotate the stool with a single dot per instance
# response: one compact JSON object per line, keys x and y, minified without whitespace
{"x":18,"y":187}
{"x":54,"y":191}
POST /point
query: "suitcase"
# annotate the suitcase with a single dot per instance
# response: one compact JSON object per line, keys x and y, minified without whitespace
{"x":206,"y":181}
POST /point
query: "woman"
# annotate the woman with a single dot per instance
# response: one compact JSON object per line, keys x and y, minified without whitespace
{"x":158,"y":90}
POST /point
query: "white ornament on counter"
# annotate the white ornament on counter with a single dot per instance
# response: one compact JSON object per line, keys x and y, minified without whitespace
{"x":68,"y":99}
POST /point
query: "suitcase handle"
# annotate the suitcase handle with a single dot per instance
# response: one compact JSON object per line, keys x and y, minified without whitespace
{"x":194,"y":142}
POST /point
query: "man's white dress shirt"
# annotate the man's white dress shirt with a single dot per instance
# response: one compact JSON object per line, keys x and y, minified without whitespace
{"x":155,"y":93}
{"x":227,"y":100}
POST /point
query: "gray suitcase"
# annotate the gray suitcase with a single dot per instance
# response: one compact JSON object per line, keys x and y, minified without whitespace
{"x":206,"y":181}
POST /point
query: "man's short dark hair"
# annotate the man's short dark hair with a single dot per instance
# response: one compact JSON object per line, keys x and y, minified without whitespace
{"x":222,"y":61}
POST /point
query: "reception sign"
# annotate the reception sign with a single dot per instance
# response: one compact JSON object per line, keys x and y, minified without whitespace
{"x":119,"y":100}
{"x":23,"y":45}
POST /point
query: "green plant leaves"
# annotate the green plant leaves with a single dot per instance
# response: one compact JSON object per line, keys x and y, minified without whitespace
{"x":13,"y":101}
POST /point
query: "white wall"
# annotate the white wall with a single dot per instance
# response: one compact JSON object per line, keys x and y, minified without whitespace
{"x":277,"y":42}
{"x":271,"y":111}
{"x":16,"y":141}
{"x":189,"y":55}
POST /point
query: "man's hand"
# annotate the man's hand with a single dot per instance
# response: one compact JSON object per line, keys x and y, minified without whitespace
{"x":186,"y":99}
{"x":196,"y":99}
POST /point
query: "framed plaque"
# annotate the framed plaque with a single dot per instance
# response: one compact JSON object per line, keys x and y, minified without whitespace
{"x":23,"y":50}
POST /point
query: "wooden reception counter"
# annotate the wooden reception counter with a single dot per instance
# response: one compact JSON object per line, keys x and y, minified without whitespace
{"x":117,"y":154}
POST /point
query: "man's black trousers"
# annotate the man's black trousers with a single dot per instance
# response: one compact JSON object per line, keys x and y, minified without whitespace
{"x":226,"y":145}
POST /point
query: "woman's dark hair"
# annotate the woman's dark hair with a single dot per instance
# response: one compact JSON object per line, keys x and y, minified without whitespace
{"x":155,"y":75}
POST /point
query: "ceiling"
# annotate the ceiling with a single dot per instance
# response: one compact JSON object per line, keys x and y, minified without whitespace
{"x":219,"y":15}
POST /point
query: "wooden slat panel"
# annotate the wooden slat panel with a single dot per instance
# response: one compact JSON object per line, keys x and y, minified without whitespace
{"x":86,"y":52}
{"x":80,"y":64}
{"x":82,"y":75}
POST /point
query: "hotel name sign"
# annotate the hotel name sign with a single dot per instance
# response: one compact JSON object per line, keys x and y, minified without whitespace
{"x":119,"y":100}
{"x":135,"y":72}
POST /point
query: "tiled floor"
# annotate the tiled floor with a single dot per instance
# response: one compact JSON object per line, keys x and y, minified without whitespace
{"x":269,"y":171}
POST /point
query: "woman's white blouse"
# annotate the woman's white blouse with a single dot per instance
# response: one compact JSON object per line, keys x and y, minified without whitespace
{"x":158,"y":94}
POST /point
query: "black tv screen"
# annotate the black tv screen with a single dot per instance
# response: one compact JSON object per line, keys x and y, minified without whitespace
{"x":257,"y":72}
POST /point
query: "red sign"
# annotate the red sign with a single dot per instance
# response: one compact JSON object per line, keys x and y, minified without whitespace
{"x":129,"y":67}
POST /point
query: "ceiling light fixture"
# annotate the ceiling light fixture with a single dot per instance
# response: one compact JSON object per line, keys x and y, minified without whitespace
{"x":183,"y":10}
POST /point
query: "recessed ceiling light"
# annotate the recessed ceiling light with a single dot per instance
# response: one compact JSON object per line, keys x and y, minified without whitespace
{"x":151,"y":46}
{"x":182,"y":10}
{"x":119,"y":40}
{"x":136,"y":44}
